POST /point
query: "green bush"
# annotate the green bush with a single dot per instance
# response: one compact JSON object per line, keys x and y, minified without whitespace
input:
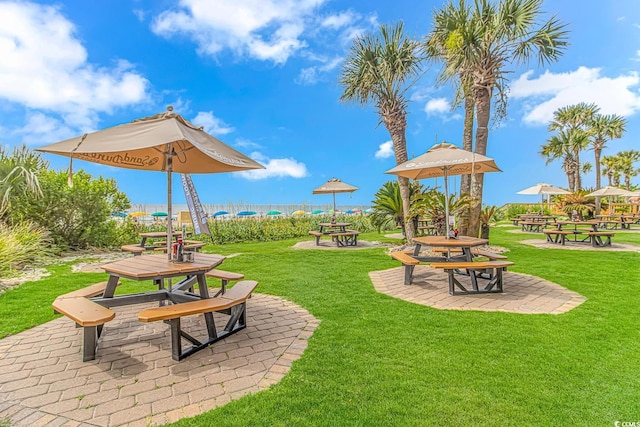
{"x":76,"y":217}
{"x":21,"y":244}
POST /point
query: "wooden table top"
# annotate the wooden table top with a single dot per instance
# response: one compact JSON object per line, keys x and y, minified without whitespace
{"x":153,"y":266}
{"x":160,"y":234}
{"x":591,"y":222}
{"x":335,"y":224}
{"x":460,"y":242}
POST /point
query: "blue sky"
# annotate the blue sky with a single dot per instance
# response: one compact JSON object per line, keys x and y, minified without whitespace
{"x":262,"y":76}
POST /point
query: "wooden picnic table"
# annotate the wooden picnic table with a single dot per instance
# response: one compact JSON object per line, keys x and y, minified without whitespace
{"x":593,"y":234}
{"x":338,"y":232}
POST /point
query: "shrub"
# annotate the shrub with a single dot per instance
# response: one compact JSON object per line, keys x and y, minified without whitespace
{"x":21,"y":244}
{"x":76,"y":217}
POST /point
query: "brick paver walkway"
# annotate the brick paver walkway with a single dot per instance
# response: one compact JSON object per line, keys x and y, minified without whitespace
{"x":134,"y":381}
{"x":522,"y":293}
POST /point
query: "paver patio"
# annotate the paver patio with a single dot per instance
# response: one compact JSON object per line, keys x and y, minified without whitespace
{"x":134,"y":381}
{"x":522,"y":293}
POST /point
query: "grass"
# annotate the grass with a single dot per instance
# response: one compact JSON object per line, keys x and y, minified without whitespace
{"x":376,"y":360}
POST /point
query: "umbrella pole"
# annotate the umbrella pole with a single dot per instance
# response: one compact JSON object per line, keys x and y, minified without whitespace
{"x":446,"y":203}
{"x":334,"y":207}
{"x":169,"y":210}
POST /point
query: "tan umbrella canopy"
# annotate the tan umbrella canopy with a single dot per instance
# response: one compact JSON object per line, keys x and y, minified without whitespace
{"x":543,"y":189}
{"x":444,"y":160}
{"x":610,"y":191}
{"x":164,"y":142}
{"x":333,"y":186}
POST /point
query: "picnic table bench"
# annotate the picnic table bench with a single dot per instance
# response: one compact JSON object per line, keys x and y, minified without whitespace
{"x":233,"y":302}
{"x":87,"y":314}
{"x":341,"y":237}
{"x":494,"y":270}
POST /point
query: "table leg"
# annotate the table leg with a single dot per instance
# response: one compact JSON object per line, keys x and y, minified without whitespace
{"x":110,"y":290}
{"x":204,"y":294}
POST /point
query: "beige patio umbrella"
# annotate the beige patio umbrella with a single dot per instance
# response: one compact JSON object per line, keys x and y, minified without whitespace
{"x":609,"y":191}
{"x":444,"y":160}
{"x":543,"y":189}
{"x":333,"y":186}
{"x":165,"y":142}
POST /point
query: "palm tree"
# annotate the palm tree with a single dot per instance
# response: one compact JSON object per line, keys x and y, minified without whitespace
{"x":494,"y":37}
{"x":380,"y":69}
{"x":564,"y":146}
{"x":603,"y":128}
{"x":571,"y":119}
{"x":387,"y":206}
{"x":626,"y":161}
{"x":18,"y":174}
{"x":447,"y":23}
{"x":610,"y":165}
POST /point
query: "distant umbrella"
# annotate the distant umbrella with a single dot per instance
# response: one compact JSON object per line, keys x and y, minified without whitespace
{"x":246,"y":213}
{"x":298,"y":213}
{"x":349,"y":211}
{"x":317,"y":211}
{"x":120,"y":214}
{"x":137,"y":214}
{"x":333,"y":186}
{"x":274,"y":213}
{"x":220,"y":213}
{"x":368,"y":211}
{"x":160,"y":213}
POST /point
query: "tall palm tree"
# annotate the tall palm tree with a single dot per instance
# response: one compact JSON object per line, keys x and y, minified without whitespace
{"x":573,"y":118}
{"x":496,"y":36}
{"x":627,"y":160}
{"x":564,"y":146}
{"x":603,"y":128}
{"x":380,"y":69}
{"x":610,"y":168}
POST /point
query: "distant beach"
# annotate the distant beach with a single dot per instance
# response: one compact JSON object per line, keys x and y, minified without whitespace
{"x":233,"y":209}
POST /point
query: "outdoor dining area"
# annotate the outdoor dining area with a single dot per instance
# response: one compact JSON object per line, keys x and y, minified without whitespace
{"x":338,"y":232}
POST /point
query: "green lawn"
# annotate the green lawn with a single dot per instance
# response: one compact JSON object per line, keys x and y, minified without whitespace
{"x":376,"y":360}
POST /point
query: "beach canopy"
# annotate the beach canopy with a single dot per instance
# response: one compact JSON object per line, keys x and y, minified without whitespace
{"x":274,"y":213}
{"x":445,"y":159}
{"x":610,"y":191}
{"x":245,"y":213}
{"x":317,"y":211}
{"x":220,"y":213}
{"x":159,"y":213}
{"x":120,"y":214}
{"x":543,"y":189}
{"x":333,"y":186}
{"x":164,"y":142}
{"x":298,"y":213}
{"x":137,"y":214}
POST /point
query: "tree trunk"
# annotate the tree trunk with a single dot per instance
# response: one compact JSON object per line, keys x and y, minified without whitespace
{"x":482,"y":98}
{"x":484,"y":231}
{"x":596,"y":155}
{"x":578,"y":177}
{"x":396,"y":124}
{"x":467,"y":144}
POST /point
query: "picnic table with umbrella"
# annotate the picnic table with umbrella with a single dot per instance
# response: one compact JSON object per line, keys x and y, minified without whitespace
{"x":445,"y":160}
{"x":609,"y":191}
{"x":537,"y":222}
{"x":166,"y":143}
{"x":333,"y":186}
{"x":338,"y":231}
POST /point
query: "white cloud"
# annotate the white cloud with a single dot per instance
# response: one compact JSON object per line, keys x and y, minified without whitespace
{"x":385,"y":150}
{"x":550,"y":91}
{"x":245,"y":143}
{"x":44,"y":67}
{"x":41,"y":129}
{"x":262,"y":29}
{"x":340,"y":20}
{"x":212,"y":124}
{"x":437,"y":106}
{"x":275,"y":168}
{"x":312,"y":75}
